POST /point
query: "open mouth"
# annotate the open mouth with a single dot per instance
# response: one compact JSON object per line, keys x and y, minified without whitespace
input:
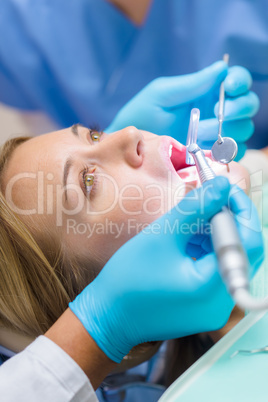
{"x":178,"y":157}
{"x":178,"y":160}
{"x":174,"y":156}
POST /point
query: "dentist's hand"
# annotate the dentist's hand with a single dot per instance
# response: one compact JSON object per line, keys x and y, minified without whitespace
{"x":249,"y":228}
{"x":151,"y":289}
{"x":163,"y":106}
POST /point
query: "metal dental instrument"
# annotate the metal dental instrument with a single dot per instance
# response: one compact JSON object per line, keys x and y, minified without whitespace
{"x":224,"y":149}
{"x":232,"y":259}
{"x":221,"y":102}
{"x":192,"y":134}
{"x":253,"y":351}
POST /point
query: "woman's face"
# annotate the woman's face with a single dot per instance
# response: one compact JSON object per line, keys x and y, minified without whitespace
{"x":93,"y":192}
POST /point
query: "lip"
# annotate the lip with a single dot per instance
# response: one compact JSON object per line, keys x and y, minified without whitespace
{"x":176,"y":162}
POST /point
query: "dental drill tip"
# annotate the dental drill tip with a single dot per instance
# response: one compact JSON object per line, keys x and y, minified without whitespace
{"x":193,"y":148}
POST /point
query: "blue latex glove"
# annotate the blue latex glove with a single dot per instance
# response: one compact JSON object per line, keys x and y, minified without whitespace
{"x":249,"y":228}
{"x":163,"y":106}
{"x":151,"y":289}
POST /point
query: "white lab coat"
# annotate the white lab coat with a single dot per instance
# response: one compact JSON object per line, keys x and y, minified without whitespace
{"x":44,"y":372}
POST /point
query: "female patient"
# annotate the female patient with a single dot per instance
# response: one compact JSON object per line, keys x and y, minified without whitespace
{"x":69,"y":200}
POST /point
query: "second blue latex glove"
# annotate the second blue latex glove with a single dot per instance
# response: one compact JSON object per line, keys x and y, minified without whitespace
{"x":163,"y":106}
{"x":151,"y":289}
{"x":249,"y":228}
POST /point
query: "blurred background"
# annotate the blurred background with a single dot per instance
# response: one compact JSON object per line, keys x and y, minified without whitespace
{"x":15,"y":123}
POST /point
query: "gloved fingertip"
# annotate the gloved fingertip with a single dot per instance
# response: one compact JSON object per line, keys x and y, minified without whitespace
{"x":215,"y":193}
{"x":255,"y":101}
{"x":238,"y":81}
{"x":240,"y":107}
{"x":210,"y":76}
{"x":222,"y":184}
{"x":219,"y":65}
{"x":218,"y":69}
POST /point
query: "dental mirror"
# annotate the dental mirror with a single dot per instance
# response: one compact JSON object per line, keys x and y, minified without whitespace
{"x":224,"y":151}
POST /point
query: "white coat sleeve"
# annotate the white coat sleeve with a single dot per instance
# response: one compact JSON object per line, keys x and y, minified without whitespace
{"x":44,"y":372}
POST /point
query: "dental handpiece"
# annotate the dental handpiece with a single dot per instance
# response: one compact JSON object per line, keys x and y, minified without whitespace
{"x":232,"y":259}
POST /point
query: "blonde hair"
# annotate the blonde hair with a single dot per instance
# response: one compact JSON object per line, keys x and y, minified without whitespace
{"x":36,"y":280}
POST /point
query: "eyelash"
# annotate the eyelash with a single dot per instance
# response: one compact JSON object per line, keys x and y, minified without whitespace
{"x":93,"y":130}
{"x":90,"y":171}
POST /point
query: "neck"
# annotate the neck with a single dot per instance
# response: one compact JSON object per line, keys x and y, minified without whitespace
{"x":135,"y":10}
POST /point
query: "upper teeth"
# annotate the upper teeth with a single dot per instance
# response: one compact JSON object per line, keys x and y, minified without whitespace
{"x":170,"y":150}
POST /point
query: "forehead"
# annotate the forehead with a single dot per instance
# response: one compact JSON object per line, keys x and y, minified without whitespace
{"x":40,"y":152}
{"x":38,"y":156}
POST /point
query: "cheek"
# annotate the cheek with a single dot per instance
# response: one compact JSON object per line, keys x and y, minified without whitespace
{"x":107,"y":239}
{"x":130,"y":196}
{"x":100,"y":234}
{"x":95,"y":242}
{"x":104,"y":195}
{"x":136,"y":207}
{"x":142,"y":200}
{"x":236,"y":174}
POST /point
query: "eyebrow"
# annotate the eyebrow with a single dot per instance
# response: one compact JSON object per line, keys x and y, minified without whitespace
{"x":74,"y":128}
{"x":69,"y":162}
{"x":66,"y":170}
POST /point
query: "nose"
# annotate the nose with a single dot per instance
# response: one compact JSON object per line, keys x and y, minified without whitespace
{"x":126,"y":144}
